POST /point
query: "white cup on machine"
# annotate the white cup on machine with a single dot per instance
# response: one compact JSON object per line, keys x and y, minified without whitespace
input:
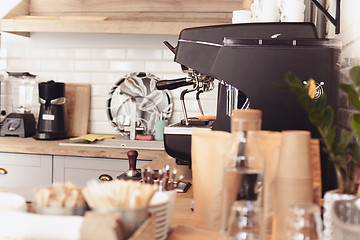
{"x":255,"y":11}
{"x":265,"y":11}
{"x":241,"y":16}
{"x":292,"y":10}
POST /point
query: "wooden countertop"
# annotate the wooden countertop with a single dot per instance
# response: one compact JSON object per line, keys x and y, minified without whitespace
{"x":158,"y":158}
{"x":183,"y":221}
{"x":31,"y":146}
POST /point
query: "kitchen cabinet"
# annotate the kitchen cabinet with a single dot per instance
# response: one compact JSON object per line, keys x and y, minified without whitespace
{"x":113,"y":16}
{"x":29,"y":162}
{"x":19,"y":170}
{"x":79,"y":170}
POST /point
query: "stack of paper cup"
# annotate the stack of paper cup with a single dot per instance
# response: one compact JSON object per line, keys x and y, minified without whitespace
{"x":170,"y":210}
{"x":292,"y":10}
{"x":241,"y":16}
{"x":159,"y":206}
{"x":270,"y":11}
{"x":294,"y":178}
{"x":265,"y":11}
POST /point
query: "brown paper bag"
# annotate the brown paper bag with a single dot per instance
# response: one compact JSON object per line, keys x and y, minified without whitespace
{"x":208,"y":150}
{"x":270,"y":142}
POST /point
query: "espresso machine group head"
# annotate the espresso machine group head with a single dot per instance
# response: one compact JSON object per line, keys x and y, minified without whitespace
{"x":249,"y":60}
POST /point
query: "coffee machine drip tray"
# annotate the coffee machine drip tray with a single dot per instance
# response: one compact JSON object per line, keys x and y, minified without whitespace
{"x":177,"y":140}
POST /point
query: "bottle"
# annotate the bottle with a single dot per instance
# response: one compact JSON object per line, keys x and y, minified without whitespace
{"x":244,"y":177}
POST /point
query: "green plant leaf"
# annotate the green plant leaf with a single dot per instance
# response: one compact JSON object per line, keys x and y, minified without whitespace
{"x":352,"y":95}
{"x":328,"y":117}
{"x":316,"y":117}
{"x":345,"y":138}
{"x":355,"y":123}
{"x":355,"y":75}
{"x":321,"y":102}
{"x":330,"y":136}
{"x":293,"y":80}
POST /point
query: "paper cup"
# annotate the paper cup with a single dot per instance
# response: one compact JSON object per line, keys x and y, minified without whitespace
{"x":292,"y":11}
{"x":241,"y":16}
{"x":288,"y":192}
{"x":295,"y":159}
{"x":159,"y":206}
{"x":270,"y":12}
{"x":170,"y":208}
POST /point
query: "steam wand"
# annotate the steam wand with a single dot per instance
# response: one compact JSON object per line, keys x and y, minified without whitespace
{"x":199,"y":103}
{"x":182,"y":99}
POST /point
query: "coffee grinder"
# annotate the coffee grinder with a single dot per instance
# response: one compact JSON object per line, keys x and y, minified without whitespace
{"x":51,"y":122}
{"x":21,"y":122}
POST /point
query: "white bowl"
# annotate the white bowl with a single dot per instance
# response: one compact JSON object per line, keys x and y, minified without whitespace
{"x":159,"y":199}
{"x":12,"y":202}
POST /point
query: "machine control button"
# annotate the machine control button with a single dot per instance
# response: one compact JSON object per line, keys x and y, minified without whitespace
{"x":14,"y":124}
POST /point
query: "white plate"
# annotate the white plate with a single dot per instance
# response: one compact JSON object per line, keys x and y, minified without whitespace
{"x":151,"y":104}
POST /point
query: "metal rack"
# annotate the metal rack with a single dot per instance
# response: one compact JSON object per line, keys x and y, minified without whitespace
{"x":335,"y":21}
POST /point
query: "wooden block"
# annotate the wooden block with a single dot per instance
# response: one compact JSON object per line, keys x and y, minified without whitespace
{"x":77,"y":108}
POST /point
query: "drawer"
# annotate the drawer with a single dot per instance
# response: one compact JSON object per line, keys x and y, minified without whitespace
{"x":80,"y":170}
{"x":20,"y":170}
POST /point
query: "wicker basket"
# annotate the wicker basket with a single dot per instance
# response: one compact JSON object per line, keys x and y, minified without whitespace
{"x":147,"y":230}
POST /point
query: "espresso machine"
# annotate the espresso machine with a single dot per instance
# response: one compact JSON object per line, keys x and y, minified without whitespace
{"x":20,"y":122}
{"x":51,"y":122}
{"x":249,"y":60}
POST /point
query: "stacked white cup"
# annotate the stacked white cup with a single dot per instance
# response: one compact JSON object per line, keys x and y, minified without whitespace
{"x":277,"y":10}
{"x":292,"y":10}
{"x":265,"y":11}
{"x":241,"y":16}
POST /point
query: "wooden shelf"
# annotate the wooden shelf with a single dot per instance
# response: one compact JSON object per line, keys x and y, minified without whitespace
{"x":110,"y":16}
{"x":26,"y":26}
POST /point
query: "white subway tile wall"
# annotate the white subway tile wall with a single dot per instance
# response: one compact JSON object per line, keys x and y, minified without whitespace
{"x":98,"y":59}
{"x":350,"y":56}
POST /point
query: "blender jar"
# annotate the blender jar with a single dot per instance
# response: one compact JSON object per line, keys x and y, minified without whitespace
{"x":22,"y":85}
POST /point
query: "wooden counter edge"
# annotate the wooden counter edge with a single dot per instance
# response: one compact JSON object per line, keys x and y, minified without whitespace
{"x":52,"y":147}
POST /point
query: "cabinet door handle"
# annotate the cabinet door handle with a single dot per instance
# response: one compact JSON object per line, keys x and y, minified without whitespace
{"x":105,"y":177}
{"x":3,"y":171}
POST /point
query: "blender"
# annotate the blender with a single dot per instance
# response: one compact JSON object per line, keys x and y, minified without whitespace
{"x":21,"y":122}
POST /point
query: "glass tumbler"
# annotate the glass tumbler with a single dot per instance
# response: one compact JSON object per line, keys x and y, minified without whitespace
{"x":304,"y":222}
{"x":244,"y":221}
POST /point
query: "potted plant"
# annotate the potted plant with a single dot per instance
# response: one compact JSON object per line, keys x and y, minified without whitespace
{"x":341,"y":145}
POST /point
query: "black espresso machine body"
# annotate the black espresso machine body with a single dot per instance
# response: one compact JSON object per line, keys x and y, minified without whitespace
{"x":253,"y":58}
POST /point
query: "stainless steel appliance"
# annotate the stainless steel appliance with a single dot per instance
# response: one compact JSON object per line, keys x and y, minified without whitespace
{"x":249,"y":59}
{"x":51,"y":123}
{"x":21,"y":122}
